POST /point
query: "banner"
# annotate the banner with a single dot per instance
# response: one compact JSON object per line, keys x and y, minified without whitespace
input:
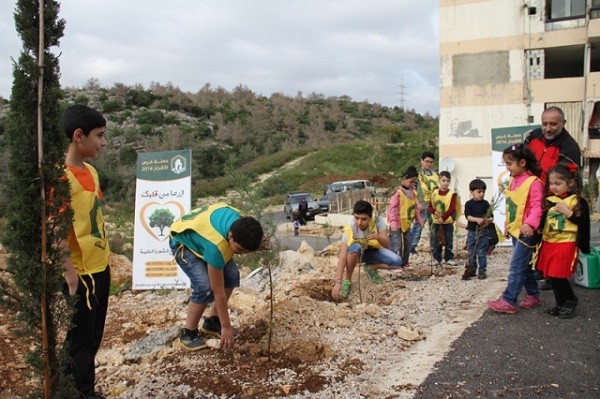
{"x":502,"y":138}
{"x":162,"y":195}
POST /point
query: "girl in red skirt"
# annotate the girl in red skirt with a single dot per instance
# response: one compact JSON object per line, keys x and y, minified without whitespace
{"x":566,"y":229}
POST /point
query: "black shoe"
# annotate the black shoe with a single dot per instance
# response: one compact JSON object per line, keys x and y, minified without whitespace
{"x":211,"y":326}
{"x":546,"y":285}
{"x":190,"y":341}
{"x":553,"y":311}
{"x":482,"y":275}
{"x":538,"y":275}
{"x":413,"y":252}
{"x":568,"y":309}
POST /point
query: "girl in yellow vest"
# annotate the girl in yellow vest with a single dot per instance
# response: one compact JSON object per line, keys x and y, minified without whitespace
{"x":524,"y":197}
{"x":401,"y":212}
{"x":566,"y":228}
{"x":443,"y":207}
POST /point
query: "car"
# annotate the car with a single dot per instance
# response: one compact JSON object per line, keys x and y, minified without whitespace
{"x":290,"y":205}
{"x":324,"y":203}
{"x":339,"y":188}
{"x":360,"y":184}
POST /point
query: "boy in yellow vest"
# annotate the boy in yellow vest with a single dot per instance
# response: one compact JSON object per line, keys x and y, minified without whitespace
{"x":365,"y":239}
{"x":203,"y":243}
{"x":443,"y":208}
{"x":87,"y":272}
{"x":427,"y":183}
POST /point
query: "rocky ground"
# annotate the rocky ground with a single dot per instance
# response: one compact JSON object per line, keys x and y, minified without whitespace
{"x":379,"y":343}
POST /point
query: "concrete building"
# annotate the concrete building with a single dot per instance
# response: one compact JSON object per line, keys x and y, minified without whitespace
{"x":502,"y":63}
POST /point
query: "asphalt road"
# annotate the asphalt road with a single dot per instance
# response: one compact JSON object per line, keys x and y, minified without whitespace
{"x":290,"y":242}
{"x":525,"y":355}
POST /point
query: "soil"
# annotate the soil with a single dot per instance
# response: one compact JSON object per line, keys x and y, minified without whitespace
{"x":381,"y":342}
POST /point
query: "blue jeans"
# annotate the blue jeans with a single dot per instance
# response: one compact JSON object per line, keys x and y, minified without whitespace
{"x":477,"y":248}
{"x":372,"y":256}
{"x":416,"y":230}
{"x":520,"y":273}
{"x":448,"y":231}
{"x":400,"y":244}
{"x":197,"y":271}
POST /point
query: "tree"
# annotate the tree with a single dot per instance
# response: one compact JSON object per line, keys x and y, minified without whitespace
{"x":161,"y":218}
{"x":35,"y":262}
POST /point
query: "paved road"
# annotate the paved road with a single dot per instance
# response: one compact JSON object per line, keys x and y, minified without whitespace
{"x":525,"y":355}
{"x":290,"y":242}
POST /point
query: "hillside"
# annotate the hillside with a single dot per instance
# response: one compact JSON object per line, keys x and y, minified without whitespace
{"x":246,"y":132}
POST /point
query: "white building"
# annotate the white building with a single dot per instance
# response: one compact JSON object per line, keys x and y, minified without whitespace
{"x":502,"y":63}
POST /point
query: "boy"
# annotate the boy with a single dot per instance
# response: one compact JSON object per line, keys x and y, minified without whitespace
{"x":443,"y":208}
{"x":87,"y":272}
{"x":365,"y":239}
{"x":479,"y":217}
{"x":426,"y":184}
{"x":203,"y":243}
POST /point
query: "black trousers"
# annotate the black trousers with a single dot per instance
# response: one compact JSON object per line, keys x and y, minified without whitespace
{"x":562,"y":291}
{"x":87,"y":329}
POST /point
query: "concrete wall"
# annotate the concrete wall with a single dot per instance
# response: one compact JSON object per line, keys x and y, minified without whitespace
{"x":484,"y":79}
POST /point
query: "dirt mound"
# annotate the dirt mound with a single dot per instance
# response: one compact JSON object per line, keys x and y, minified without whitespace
{"x":381,"y":342}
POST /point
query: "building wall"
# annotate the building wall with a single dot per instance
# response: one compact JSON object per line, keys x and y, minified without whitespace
{"x":489,"y":78}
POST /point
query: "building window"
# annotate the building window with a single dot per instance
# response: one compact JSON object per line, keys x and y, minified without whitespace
{"x":595,"y":4}
{"x":564,"y":62}
{"x":566,"y":9}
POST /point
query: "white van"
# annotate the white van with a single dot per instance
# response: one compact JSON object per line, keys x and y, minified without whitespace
{"x":359,"y":184}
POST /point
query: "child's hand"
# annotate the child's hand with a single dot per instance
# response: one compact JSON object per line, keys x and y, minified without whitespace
{"x":562,"y":208}
{"x":526,"y":230}
{"x":335,"y":292}
{"x":227,"y":337}
{"x":373,"y":235}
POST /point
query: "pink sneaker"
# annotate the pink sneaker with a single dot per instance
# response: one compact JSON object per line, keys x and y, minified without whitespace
{"x":530,"y":301}
{"x":501,"y":306}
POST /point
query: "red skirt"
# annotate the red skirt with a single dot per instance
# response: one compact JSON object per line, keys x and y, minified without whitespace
{"x":557,"y":259}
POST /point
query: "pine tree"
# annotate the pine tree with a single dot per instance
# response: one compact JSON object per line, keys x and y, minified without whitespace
{"x":36,"y":192}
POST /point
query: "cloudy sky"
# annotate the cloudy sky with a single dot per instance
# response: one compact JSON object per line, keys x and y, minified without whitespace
{"x":383,"y":51}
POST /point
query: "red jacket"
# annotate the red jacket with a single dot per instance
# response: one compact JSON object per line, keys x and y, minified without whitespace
{"x":564,"y":148}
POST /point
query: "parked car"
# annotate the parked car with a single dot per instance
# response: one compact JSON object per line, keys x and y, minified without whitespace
{"x":290,"y":205}
{"x":340,"y":188}
{"x":361,"y":184}
{"x":324,"y":203}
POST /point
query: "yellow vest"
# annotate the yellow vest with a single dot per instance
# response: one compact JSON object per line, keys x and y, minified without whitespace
{"x":428,"y":184}
{"x":441,"y":203}
{"x":198,"y":221}
{"x":515,"y":205}
{"x":407,"y":210}
{"x":557,"y":227}
{"x":89,"y":245}
{"x":363,"y":241}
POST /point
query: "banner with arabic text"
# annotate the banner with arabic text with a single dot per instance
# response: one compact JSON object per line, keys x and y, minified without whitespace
{"x":502,"y":138}
{"x":162,"y":195}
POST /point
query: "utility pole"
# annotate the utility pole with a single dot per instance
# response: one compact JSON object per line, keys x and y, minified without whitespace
{"x":401,"y":92}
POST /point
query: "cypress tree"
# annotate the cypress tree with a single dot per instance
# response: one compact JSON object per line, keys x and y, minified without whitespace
{"x":37,"y":198}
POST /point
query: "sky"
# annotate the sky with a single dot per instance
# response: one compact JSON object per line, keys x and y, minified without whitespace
{"x":381,"y":51}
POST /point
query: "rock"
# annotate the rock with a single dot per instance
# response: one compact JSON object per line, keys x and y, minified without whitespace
{"x":120,"y":270}
{"x":152,"y":343}
{"x":409,"y":334}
